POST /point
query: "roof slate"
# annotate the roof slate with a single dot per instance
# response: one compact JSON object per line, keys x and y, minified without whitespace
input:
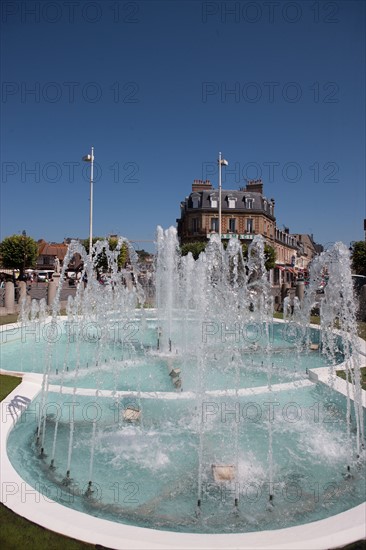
{"x":240,"y":197}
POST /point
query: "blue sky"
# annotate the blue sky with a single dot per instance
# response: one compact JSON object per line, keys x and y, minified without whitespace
{"x":159,"y":88}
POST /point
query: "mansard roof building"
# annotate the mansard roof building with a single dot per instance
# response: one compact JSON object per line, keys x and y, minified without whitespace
{"x":245,"y":212}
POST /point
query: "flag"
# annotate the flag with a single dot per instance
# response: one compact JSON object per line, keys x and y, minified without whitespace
{"x":224,"y":162}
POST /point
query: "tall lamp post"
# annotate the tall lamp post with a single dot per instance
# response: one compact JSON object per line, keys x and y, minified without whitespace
{"x":222,"y":162}
{"x":90,"y":158}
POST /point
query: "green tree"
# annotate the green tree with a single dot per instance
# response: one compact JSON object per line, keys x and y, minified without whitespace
{"x":199,"y":246}
{"x":143,"y":255}
{"x":123,"y":256}
{"x":102,"y":262}
{"x":195,"y":248}
{"x":19,"y":252}
{"x":269,"y":255}
{"x":359,"y":258}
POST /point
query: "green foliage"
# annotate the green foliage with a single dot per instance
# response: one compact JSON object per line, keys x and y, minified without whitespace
{"x":123,"y":254}
{"x":343,"y":375}
{"x":359,"y":258}
{"x":102,"y":262}
{"x":85,"y":243}
{"x":269,"y":254}
{"x":199,"y":246}
{"x":8,"y":384}
{"x":18,"y":252}
{"x":17,"y":532}
{"x":245,"y":248}
{"x":143,"y":255}
{"x":195,"y":248}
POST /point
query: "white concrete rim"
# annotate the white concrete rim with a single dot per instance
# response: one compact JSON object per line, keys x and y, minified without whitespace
{"x":16,"y":494}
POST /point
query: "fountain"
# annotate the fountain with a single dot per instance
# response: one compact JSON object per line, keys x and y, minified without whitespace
{"x":203,"y":417}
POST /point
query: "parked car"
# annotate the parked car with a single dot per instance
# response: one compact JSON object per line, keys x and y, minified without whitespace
{"x":104,"y":280}
{"x":45,"y":275}
{"x":321,"y":287}
{"x":358,"y":282}
{"x":42,"y":276}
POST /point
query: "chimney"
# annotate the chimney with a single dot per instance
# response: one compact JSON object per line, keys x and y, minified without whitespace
{"x":255,"y":186}
{"x":200,"y":185}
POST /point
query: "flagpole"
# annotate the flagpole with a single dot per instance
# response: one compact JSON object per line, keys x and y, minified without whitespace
{"x":220,"y":197}
{"x":90,"y":158}
{"x":91,"y":202}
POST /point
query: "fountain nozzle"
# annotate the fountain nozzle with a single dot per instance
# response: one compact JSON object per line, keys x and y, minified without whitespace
{"x":198,"y":509}
{"x":67,"y":480}
{"x":270,"y":504}
{"x":348,"y":474}
{"x":89,"y":491}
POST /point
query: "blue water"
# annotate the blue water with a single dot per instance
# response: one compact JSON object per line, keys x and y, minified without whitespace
{"x":127,"y":358}
{"x":147,"y":474}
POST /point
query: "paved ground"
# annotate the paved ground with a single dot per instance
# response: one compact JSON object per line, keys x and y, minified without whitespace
{"x":39,"y":290}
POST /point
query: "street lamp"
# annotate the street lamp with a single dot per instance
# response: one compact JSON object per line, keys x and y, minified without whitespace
{"x":90,"y":158}
{"x":222,"y":162}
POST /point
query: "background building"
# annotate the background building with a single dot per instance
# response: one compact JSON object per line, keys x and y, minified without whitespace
{"x":246,"y":212}
{"x":306,"y":251}
{"x":48,"y":252}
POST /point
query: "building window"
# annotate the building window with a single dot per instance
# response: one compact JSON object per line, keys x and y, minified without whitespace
{"x":249,"y":226}
{"x":249,"y":203}
{"x":195,"y":197}
{"x":215,"y":224}
{"x":231,"y":202}
{"x":213,"y":202}
{"x":232,"y":225}
{"x":195,"y":225}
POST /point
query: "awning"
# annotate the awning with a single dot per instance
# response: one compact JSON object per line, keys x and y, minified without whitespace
{"x":281,"y":267}
{"x":9,"y":271}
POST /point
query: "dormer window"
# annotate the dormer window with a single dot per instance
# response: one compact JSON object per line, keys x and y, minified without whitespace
{"x":231,"y":202}
{"x":195,"y":200}
{"x":213,"y":201}
{"x":249,"y":203}
{"x":265,"y":205}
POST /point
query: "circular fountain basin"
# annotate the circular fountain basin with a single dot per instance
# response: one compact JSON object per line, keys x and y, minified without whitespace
{"x":144,"y":472}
